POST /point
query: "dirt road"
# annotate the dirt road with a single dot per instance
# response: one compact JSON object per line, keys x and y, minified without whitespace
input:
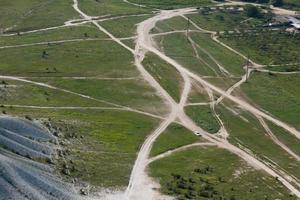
{"x":140,"y":185}
{"x":144,"y":43}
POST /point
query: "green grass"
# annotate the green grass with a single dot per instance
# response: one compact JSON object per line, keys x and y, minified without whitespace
{"x":292,"y":4}
{"x":282,"y":101}
{"x":172,"y":24}
{"x":105,"y":145}
{"x":203,"y":117}
{"x":172,"y":4}
{"x":267,"y":47}
{"x":124,"y":27}
{"x":109,"y":7}
{"x":197,"y":172}
{"x":251,"y":135}
{"x":286,"y":138}
{"x":165,"y":74}
{"x":222,"y":82}
{"x":177,"y":47}
{"x":224,"y":20}
{"x":285,"y":68}
{"x":133,"y":93}
{"x":198,"y":94}
{"x":87,"y":58}
{"x":67,"y":33}
{"x":19,"y":93}
{"x":173,"y":137}
{"x":130,"y":43}
{"x":229,"y":60}
{"x":23,"y":15}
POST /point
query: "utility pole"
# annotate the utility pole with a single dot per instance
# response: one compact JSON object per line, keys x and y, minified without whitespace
{"x":247,"y":69}
{"x":188,"y":28}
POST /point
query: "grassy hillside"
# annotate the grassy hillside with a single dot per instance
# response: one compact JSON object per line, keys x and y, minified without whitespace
{"x":212,"y":173}
{"x":171,"y":4}
{"x":23,"y":15}
{"x":282,"y":100}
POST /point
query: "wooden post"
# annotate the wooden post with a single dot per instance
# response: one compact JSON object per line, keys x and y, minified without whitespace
{"x":188,"y":28}
{"x":247,"y":68}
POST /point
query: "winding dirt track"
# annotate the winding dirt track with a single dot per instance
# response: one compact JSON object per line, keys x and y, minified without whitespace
{"x":168,"y":153}
{"x":276,"y":141}
{"x":53,"y":42}
{"x":121,"y":107}
{"x":144,"y":43}
{"x":140,"y":185}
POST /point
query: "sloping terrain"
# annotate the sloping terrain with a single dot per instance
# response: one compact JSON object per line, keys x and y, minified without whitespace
{"x":22,"y":144}
{"x":143,"y":103}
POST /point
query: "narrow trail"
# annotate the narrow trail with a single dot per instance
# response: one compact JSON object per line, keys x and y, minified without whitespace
{"x":54,"y":42}
{"x":179,"y":149}
{"x":82,"y":77}
{"x":236,"y":100}
{"x":140,"y":185}
{"x":236,"y":85}
{"x":56,"y":88}
{"x":194,"y":46}
{"x":215,"y":38}
{"x":221,"y":68}
{"x":134,"y":4}
{"x":78,"y":94}
{"x":74,"y":23}
{"x":144,"y":41}
{"x":90,"y":19}
{"x":35,"y":31}
{"x":222,"y":131}
{"x":199,"y":104}
{"x":147,"y":45}
{"x":61,"y":107}
{"x":275,"y":139}
{"x":173,"y":32}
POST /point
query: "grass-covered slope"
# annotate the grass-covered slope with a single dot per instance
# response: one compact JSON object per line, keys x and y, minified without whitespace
{"x":169,"y":4}
{"x":87,"y":58}
{"x":110,"y":7}
{"x":246,"y":131}
{"x":99,"y":146}
{"x":282,"y":101}
{"x":267,"y":47}
{"x":23,"y":15}
{"x":173,"y":137}
{"x":212,"y":173}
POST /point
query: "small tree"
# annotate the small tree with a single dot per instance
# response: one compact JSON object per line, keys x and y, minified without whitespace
{"x":44,"y":54}
{"x":277,"y":3}
{"x":252,"y":11}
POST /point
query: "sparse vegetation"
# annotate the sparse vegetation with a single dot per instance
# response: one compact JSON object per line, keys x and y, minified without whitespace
{"x":171,"y":4}
{"x":66,"y":33}
{"x":165,"y":74}
{"x":203,"y":116}
{"x":245,"y":131}
{"x":87,"y":58}
{"x":283,"y":95}
{"x":23,"y":15}
{"x":267,"y":47}
{"x":91,"y":138}
{"x":84,"y":87}
{"x":212,"y":173}
{"x":175,"y":136}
